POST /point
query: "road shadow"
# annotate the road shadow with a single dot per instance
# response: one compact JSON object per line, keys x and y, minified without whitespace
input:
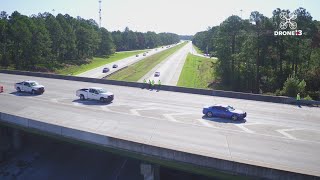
{"x":304,"y":105}
{"x":91,"y":102}
{"x":24,"y":94}
{"x":222,"y":120}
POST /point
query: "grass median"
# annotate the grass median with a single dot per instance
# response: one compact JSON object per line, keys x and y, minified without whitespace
{"x":137,"y":70}
{"x":96,"y":62}
{"x":197,"y":72}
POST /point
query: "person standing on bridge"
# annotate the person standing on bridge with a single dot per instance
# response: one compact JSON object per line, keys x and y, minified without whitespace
{"x":298,"y":99}
{"x":149,"y":84}
{"x":152,"y":84}
{"x":159,"y":84}
{"x":144,"y":84}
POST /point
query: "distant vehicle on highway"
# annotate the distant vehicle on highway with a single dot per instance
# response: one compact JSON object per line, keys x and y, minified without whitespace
{"x":115,"y":66}
{"x":29,"y":86}
{"x":137,"y":55}
{"x":105,"y":70}
{"x":224,"y":111}
{"x":95,"y":93}
{"x":156,"y":74}
{"x":144,"y":54}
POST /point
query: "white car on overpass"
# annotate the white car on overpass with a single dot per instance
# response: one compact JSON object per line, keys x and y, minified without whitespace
{"x":95,"y":93}
{"x":29,"y":86}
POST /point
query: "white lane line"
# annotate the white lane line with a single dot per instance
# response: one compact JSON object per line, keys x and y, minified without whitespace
{"x":105,"y":108}
{"x":241,"y":126}
{"x":205,"y":122}
{"x":284,"y":132}
{"x":77,"y":104}
{"x":54,"y":100}
{"x":135,"y":111}
{"x":170,"y":117}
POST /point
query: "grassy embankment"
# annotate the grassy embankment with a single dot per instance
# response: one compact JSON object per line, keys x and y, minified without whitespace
{"x":197,"y":49}
{"x":136,"y":71}
{"x":96,"y":62}
{"x":197,"y":72}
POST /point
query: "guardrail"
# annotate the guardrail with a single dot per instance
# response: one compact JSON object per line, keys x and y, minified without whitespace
{"x":229,"y":94}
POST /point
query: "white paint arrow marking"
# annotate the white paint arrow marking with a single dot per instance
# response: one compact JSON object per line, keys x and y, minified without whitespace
{"x":241,"y":126}
{"x":135,"y":111}
{"x":205,"y":122}
{"x":284,"y":132}
{"x":170,"y":117}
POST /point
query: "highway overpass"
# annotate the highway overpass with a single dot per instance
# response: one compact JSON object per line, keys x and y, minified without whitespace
{"x":276,"y":141}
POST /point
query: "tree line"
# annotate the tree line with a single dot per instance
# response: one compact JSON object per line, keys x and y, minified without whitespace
{"x":44,"y":42}
{"x":129,"y":40}
{"x":251,"y":58}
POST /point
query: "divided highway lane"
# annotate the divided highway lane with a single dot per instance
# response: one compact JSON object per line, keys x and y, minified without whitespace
{"x":274,"y":135}
{"x":97,"y":72}
{"x":170,"y":69}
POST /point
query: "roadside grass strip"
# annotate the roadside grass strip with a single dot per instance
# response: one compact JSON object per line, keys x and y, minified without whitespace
{"x":96,"y":62}
{"x":137,"y":70}
{"x":197,"y":49}
{"x":197,"y":72}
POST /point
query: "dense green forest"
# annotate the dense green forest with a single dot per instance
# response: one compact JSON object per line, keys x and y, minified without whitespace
{"x":45,"y":42}
{"x":252,"y":59}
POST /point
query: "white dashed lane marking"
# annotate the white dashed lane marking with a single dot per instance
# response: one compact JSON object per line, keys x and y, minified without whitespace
{"x":284,"y":132}
{"x":205,"y":122}
{"x":241,"y":126}
{"x":135,"y":111}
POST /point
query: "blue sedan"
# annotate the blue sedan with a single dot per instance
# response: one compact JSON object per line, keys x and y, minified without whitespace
{"x":223,"y":111}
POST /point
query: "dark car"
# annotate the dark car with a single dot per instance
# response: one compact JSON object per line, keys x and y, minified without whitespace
{"x":105,"y":70}
{"x":156,"y":74}
{"x":115,"y":66}
{"x":223,"y":111}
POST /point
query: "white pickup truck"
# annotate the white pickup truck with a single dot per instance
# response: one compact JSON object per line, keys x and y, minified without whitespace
{"x":29,"y":86}
{"x":95,"y":93}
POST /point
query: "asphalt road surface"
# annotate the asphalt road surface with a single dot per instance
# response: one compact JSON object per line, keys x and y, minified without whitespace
{"x":273,"y":135}
{"x":170,"y":69}
{"x":97,"y":72}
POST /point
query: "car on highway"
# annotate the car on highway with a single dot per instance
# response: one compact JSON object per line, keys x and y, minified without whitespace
{"x":95,"y":93}
{"x":223,"y":111}
{"x":144,"y":54}
{"x":137,"y":55}
{"x":115,"y":66}
{"x":32,"y":87}
{"x":105,"y":70}
{"x":157,"y":74}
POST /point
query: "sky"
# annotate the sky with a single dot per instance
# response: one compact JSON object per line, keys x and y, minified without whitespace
{"x":183,"y":17}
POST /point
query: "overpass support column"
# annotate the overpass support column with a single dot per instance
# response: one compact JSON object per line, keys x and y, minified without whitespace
{"x":150,"y":172}
{"x":16,"y":139}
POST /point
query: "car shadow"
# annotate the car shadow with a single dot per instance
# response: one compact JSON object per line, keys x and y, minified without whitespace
{"x":91,"y":102}
{"x":222,"y":120}
{"x":24,"y":94}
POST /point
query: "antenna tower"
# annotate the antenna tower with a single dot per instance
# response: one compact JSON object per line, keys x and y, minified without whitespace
{"x":100,"y":13}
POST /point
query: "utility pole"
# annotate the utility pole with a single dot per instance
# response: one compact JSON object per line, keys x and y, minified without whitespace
{"x":241,"y":13}
{"x":99,"y":13}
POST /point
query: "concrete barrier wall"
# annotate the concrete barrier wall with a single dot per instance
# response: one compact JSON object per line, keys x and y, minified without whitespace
{"x":229,"y":94}
{"x":153,"y":153}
